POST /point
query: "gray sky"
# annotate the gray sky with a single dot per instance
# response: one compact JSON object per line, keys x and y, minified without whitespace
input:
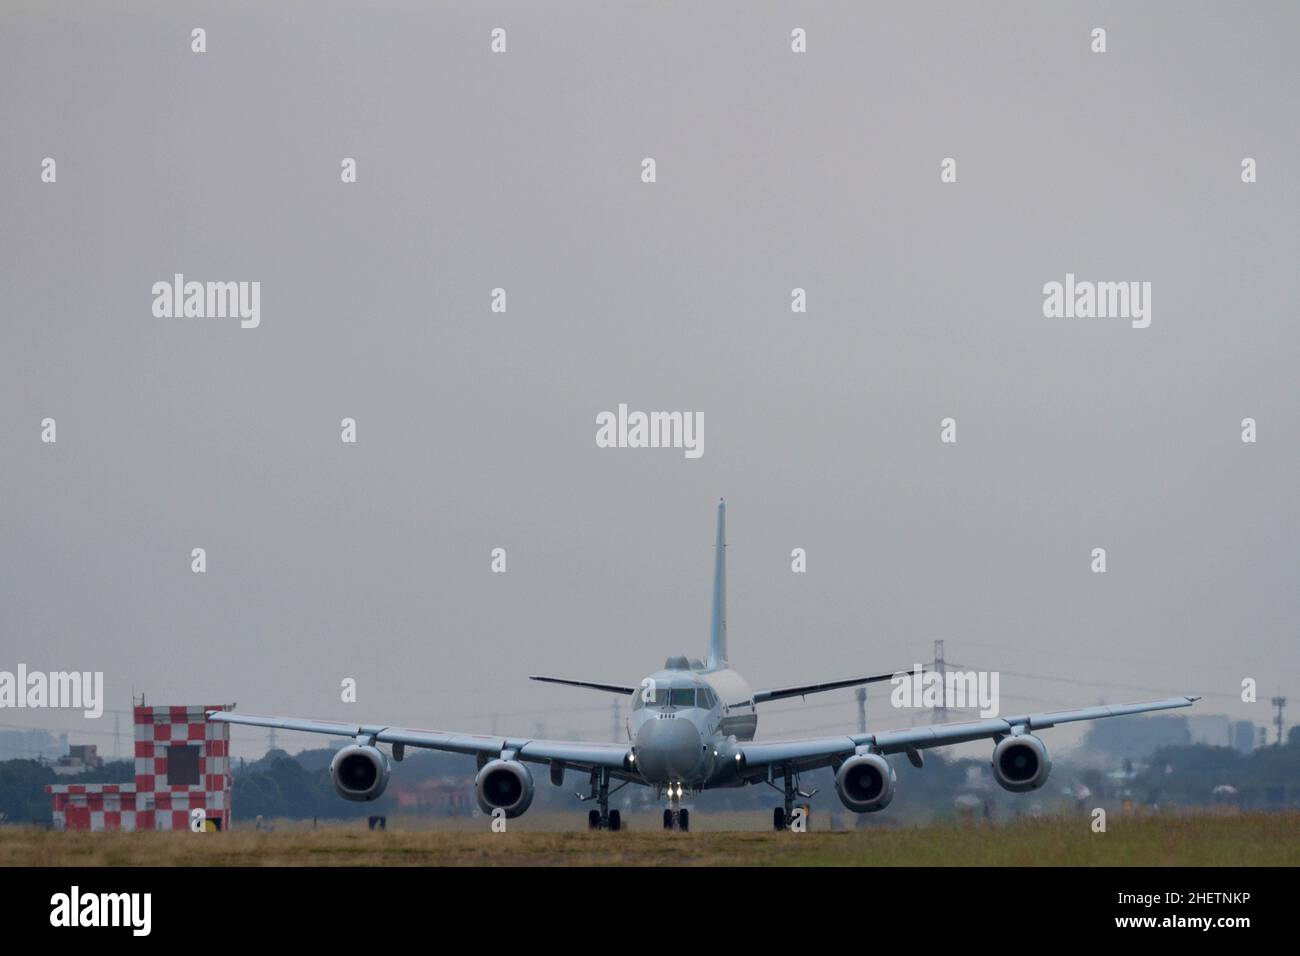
{"x":476,"y":430}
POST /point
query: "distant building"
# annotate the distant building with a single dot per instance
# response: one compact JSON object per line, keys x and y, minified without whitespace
{"x":182,"y":765}
{"x":1136,"y":738}
{"x":78,"y":759}
{"x":1216,"y":730}
{"x":1243,"y":736}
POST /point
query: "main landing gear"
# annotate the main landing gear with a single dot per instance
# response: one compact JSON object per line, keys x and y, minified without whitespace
{"x":603,"y":818}
{"x":782,"y":817}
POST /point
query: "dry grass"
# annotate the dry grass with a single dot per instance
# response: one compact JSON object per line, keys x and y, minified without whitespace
{"x":1200,"y":840}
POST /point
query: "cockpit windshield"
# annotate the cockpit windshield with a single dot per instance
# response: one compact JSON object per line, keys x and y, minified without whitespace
{"x":679,"y":695}
{"x":682,"y":696}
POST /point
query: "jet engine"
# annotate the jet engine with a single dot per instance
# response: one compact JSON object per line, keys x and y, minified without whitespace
{"x":1021,"y":763}
{"x":865,"y":783}
{"x":504,"y":784}
{"x":359,"y":772}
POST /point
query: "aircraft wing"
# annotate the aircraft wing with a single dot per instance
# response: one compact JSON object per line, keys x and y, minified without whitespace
{"x":803,"y":689}
{"x":591,"y":685}
{"x":812,"y":752}
{"x":940,"y":735}
{"x":576,"y":754}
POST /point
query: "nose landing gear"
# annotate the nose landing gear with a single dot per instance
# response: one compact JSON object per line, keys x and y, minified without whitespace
{"x":675,"y":817}
{"x":677,"y":820}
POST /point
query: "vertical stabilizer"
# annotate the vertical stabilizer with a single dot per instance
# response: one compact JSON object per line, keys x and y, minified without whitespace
{"x":718,"y":634}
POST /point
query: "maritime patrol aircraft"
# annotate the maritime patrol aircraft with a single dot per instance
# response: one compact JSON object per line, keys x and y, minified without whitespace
{"x":691,"y":728}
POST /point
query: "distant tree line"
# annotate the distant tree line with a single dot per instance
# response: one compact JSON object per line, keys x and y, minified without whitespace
{"x":280,"y":786}
{"x":1189,"y":775}
{"x":22,"y":787}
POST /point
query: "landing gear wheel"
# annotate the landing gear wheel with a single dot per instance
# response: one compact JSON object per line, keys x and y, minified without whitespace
{"x":684,"y":820}
{"x":668,"y":819}
{"x":593,"y":820}
{"x":615,"y":820}
{"x":778,"y":818}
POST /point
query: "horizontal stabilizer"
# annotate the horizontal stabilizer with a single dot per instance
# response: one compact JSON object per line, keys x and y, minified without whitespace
{"x":608,"y":688}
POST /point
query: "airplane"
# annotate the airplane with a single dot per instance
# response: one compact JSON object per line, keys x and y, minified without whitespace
{"x":691,"y":728}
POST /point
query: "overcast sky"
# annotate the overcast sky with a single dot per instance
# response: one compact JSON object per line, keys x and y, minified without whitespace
{"x":476,"y":430}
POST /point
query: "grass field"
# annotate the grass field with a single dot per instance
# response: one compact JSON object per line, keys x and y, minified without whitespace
{"x":1207,"y":840}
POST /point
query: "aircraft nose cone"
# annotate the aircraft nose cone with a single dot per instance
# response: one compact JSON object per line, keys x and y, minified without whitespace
{"x":668,"y":749}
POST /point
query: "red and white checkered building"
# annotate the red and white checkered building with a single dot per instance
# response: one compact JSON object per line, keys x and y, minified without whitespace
{"x":182,"y":763}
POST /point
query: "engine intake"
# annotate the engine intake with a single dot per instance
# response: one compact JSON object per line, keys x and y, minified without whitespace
{"x":865,"y":783}
{"x":359,"y":772}
{"x":504,"y":784}
{"x":1021,"y":763}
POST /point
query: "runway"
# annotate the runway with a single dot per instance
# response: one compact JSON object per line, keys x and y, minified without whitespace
{"x":1264,"y":839}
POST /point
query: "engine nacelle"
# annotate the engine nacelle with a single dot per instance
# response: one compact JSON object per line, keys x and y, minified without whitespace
{"x":1021,"y":763}
{"x":504,"y":784}
{"x":865,"y":783}
{"x":359,"y":772}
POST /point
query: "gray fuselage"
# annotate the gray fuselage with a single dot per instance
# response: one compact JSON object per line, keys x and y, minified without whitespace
{"x":685,"y":723}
